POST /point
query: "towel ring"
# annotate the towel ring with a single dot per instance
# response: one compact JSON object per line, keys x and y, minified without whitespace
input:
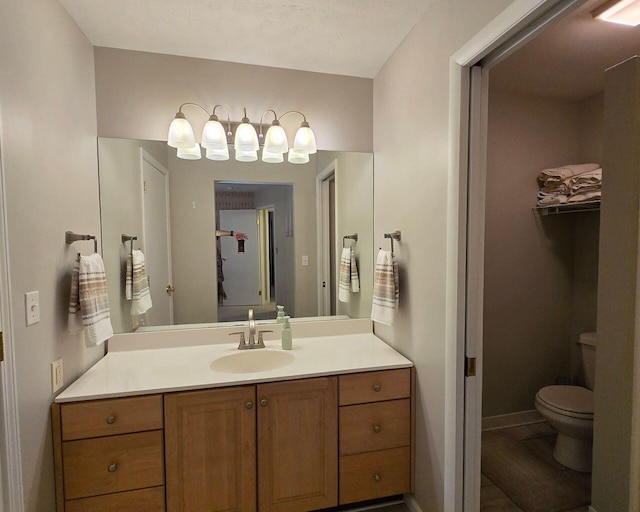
{"x":71,"y":237}
{"x":129,"y":238}
{"x":353,"y":237}
{"x":396,"y":235}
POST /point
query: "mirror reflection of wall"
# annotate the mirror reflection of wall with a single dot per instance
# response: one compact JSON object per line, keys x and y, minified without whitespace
{"x":291,"y":276}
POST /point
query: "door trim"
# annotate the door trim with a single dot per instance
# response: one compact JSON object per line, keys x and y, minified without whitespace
{"x":322,"y":214}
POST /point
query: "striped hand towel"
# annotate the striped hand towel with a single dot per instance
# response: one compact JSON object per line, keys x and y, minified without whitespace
{"x":386,"y":290}
{"x":94,"y":301}
{"x":349,"y":280}
{"x":74,"y":324}
{"x":128,"y":279}
{"x":141,"y":296}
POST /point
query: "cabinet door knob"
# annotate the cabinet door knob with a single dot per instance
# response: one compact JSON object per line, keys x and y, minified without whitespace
{"x":112,"y":467}
{"x":377,"y":477}
{"x":377,"y":387}
{"x":249,"y":405}
{"x":263,"y":402}
{"x":111,"y":420}
{"x":377,"y":429}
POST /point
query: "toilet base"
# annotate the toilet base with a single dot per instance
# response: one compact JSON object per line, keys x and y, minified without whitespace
{"x":574,"y":453}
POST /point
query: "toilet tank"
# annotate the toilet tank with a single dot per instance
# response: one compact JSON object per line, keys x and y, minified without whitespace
{"x":588,"y":348}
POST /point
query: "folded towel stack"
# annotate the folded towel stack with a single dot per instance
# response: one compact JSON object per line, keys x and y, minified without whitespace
{"x":386,"y":290}
{"x":140,"y":293}
{"x":89,"y":299}
{"x":570,"y":184}
{"x":349,"y":280}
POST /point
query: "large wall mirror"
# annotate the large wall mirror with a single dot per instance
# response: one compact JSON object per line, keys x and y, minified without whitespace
{"x":289,"y":224}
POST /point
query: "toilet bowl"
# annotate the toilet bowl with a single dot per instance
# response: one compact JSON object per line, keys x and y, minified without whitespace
{"x":569,"y":409}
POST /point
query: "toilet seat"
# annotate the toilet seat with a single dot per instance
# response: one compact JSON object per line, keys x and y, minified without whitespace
{"x":572,"y":401}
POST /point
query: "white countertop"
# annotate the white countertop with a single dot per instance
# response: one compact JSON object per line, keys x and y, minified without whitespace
{"x":160,"y":370}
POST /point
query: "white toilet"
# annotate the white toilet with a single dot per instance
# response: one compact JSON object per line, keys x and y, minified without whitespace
{"x":569,"y":409}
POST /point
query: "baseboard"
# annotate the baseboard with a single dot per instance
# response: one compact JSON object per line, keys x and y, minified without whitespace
{"x":511,"y":420}
{"x":411,"y":503}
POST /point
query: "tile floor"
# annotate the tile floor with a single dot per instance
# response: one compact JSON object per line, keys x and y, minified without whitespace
{"x":539,"y":439}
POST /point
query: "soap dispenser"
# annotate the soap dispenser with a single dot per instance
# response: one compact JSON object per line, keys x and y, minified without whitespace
{"x":280,"y":315}
{"x":287,"y":342}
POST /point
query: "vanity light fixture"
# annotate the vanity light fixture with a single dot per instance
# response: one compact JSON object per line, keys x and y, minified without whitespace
{"x":246,"y":142}
{"x":623,"y":12}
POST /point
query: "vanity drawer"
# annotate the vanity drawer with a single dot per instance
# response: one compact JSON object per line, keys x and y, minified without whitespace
{"x":374,"y":475}
{"x":376,"y":426}
{"x":98,"y":418}
{"x":113,"y":464}
{"x":144,"y":500}
{"x":366,"y":387}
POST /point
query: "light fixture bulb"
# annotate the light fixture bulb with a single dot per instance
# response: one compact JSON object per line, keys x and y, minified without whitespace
{"x":246,"y":156}
{"x":214,"y":135}
{"x":296,"y":157}
{"x":218,"y":154}
{"x":276,"y":139}
{"x":622,"y":12}
{"x":305,"y":141}
{"x":246,"y":138}
{"x":192,"y":153}
{"x":271,"y":158}
{"x":180,"y":133}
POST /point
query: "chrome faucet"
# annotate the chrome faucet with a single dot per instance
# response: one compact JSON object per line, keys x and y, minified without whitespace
{"x":252,"y":335}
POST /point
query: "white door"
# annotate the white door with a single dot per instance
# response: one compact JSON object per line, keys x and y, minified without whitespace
{"x":240,"y":261}
{"x":156,"y":239}
{"x":325,"y":199}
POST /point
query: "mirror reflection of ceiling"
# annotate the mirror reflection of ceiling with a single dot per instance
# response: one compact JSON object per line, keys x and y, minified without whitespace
{"x":343,"y":37}
{"x":568,"y":59}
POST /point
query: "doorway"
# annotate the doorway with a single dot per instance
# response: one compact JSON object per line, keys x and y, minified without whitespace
{"x":327,"y":255}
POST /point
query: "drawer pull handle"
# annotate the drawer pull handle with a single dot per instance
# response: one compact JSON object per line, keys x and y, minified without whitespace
{"x":377,"y":477}
{"x":377,"y":388}
{"x":111,"y":420}
{"x":113,"y":467}
{"x":377,"y":429}
{"x":249,"y":405}
{"x":263,"y":402}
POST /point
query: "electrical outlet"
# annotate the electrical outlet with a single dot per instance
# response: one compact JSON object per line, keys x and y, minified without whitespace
{"x":57,"y":376}
{"x":32,"y":307}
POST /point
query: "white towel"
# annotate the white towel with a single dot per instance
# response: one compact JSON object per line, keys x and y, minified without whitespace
{"x":349,"y":280}
{"x":386,"y":289}
{"x":128,"y":279}
{"x":93,"y":300}
{"x":551,"y":177}
{"x":141,"y":296}
{"x":583,"y":197}
{"x":74,"y":323}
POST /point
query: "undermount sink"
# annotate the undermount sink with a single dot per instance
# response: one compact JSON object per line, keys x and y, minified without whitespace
{"x":252,"y":361}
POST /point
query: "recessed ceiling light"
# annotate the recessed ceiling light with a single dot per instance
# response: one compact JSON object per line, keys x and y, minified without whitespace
{"x":623,"y":12}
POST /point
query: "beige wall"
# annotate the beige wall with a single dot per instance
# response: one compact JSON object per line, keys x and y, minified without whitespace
{"x":193,"y":181}
{"x":121,"y":213}
{"x":411,"y":147}
{"x":139,"y":93}
{"x":47,"y":94}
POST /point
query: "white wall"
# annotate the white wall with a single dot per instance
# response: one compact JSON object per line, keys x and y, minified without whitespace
{"x":139,"y":93}
{"x":47,"y":98}
{"x":411,"y":148}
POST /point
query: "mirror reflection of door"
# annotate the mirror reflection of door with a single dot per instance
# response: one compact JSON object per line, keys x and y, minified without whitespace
{"x":156,"y":239}
{"x":327,"y":247}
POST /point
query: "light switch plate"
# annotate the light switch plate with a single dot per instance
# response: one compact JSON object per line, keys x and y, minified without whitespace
{"x":305,"y":261}
{"x":57,"y":375}
{"x":32,"y":307}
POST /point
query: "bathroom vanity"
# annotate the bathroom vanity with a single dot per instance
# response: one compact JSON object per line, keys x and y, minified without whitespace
{"x":202,"y":426}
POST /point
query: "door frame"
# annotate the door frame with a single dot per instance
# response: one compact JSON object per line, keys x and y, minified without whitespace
{"x":146,"y":157}
{"x":323,"y":237}
{"x":512,"y":28}
{"x":264,"y":235}
{"x":11,"y":484}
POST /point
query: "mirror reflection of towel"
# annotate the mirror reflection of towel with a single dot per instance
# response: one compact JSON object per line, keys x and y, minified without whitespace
{"x":141,"y":296}
{"x":349,"y":280}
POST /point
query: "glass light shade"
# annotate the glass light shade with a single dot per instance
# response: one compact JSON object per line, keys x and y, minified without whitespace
{"x":246,"y":138}
{"x":192,"y":153}
{"x":623,"y":12}
{"x":218,"y":154}
{"x":298,"y":158}
{"x":213,"y":135}
{"x":305,"y":141}
{"x":246,"y":156}
{"x":180,"y":134}
{"x":276,"y":140}
{"x":272,"y":158}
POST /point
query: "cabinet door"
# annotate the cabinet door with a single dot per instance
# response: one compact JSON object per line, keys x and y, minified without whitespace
{"x":297,"y":445}
{"x":210,"y":439}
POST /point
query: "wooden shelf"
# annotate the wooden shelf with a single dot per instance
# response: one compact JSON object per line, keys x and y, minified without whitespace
{"x":556,"y":209}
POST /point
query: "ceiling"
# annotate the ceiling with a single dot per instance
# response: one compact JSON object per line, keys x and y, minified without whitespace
{"x":569,"y":58}
{"x":344,"y":37}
